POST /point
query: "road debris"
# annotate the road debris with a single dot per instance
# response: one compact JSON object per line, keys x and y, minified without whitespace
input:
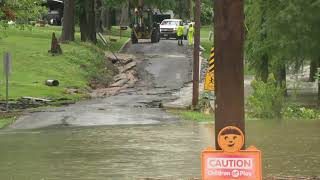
{"x":52,"y":82}
{"x":34,"y":99}
{"x":127,"y":67}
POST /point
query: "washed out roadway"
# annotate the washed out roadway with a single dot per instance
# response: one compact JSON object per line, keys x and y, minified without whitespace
{"x":163,"y":69}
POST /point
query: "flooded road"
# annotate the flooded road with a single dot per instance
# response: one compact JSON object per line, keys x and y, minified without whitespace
{"x":129,"y":137}
{"x":169,"y":150}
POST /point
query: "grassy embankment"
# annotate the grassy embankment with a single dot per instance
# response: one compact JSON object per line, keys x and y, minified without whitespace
{"x":32,"y":64}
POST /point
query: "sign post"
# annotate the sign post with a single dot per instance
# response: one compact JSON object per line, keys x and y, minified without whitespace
{"x":195,"y":89}
{"x":229,"y":77}
{"x":230,"y":159}
{"x":7,"y":72}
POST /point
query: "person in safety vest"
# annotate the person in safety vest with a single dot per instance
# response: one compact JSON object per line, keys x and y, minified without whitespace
{"x":190,"y":34}
{"x":180,"y":34}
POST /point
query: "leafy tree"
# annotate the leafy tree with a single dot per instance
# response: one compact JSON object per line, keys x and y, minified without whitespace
{"x":206,"y":14}
{"x":21,"y":11}
{"x":281,"y":34}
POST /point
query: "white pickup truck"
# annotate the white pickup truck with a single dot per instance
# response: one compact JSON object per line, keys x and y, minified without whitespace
{"x":168,"y":28}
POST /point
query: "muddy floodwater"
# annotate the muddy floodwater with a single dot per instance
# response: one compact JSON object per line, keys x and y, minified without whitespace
{"x":168,"y":150}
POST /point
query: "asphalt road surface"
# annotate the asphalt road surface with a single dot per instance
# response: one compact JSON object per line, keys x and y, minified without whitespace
{"x":163,"y":68}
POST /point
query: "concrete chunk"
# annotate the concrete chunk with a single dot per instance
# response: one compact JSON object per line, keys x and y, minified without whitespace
{"x":120,"y":83}
{"x":128,"y":67}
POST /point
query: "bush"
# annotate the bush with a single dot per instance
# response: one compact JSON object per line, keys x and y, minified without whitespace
{"x":267,"y":100}
{"x":3,"y":26}
{"x":204,"y":102}
{"x":298,"y":112}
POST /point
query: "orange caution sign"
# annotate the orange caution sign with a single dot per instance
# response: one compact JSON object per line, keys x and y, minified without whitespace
{"x":231,"y":162}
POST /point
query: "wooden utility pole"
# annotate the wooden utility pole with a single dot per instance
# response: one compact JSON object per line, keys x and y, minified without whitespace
{"x":229,"y":78}
{"x":195,"y":95}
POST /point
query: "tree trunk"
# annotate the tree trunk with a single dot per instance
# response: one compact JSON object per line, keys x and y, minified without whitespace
{"x":87,"y":21}
{"x":140,"y":3}
{"x":281,"y":77}
{"x":316,"y":74}
{"x":83,"y":25}
{"x":68,"y":21}
{"x":314,"y":64}
{"x":99,"y":27}
{"x":104,"y":16}
{"x":83,"y":22}
{"x":124,"y":20}
{"x":264,"y":68}
{"x":108,"y":18}
{"x":91,"y":21}
{"x":180,"y":9}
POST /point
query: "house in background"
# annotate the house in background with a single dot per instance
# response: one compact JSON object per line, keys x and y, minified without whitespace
{"x":55,"y":12}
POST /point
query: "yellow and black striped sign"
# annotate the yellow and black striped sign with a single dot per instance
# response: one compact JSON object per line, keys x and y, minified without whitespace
{"x":209,"y":81}
{"x":211,"y":60}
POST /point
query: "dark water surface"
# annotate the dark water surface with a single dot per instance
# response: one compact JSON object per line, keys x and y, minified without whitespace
{"x":169,"y":150}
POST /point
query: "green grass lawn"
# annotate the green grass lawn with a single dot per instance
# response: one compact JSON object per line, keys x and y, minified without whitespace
{"x":115,"y":31}
{"x":193,"y":116}
{"x":204,"y":40}
{"x":115,"y":46}
{"x":32,"y":64}
{"x":6,"y":121}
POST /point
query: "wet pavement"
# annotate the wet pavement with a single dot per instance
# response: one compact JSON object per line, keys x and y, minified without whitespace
{"x":163,"y":69}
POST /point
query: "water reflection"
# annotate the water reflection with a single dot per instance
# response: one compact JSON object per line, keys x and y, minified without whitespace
{"x":161,"y":151}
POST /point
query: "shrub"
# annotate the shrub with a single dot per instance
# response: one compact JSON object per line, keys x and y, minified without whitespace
{"x":298,"y":112}
{"x":267,"y":100}
{"x":204,"y":102}
{"x":3,"y":26}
